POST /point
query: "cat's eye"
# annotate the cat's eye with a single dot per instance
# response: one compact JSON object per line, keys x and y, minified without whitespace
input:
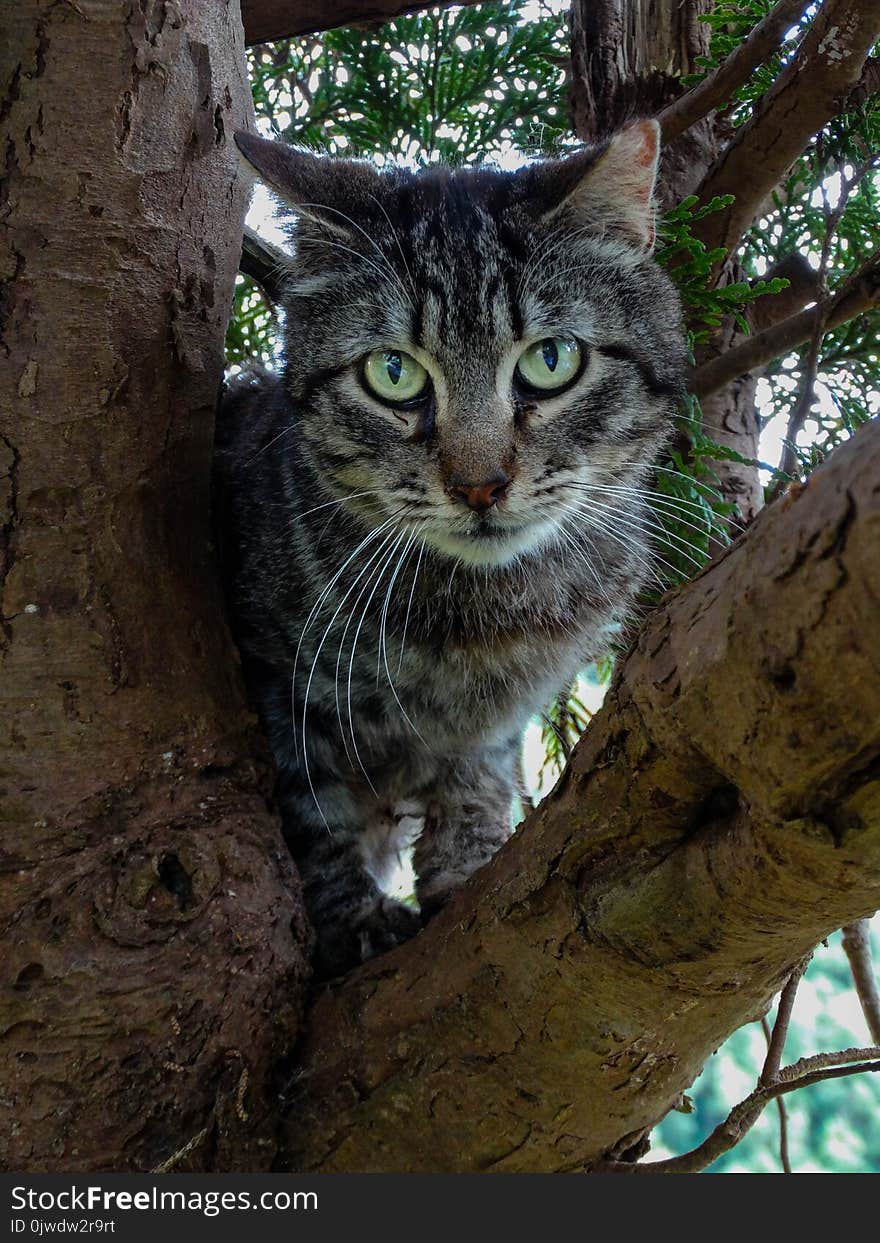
{"x":395,"y":376}
{"x":549,"y":365}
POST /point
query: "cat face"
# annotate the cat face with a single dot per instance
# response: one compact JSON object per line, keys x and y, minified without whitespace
{"x":478,"y":355}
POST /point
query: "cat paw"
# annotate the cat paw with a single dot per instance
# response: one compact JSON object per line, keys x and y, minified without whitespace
{"x":433,"y":893}
{"x":380,"y":928}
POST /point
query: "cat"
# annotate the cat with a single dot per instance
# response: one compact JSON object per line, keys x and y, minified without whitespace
{"x":436,"y":516}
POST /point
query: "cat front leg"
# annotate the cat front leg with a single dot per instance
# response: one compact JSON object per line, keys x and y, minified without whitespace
{"x":352,"y":916}
{"x":469,"y":816}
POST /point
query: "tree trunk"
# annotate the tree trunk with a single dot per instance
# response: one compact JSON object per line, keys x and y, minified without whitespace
{"x":719,"y":818}
{"x":147,"y":905}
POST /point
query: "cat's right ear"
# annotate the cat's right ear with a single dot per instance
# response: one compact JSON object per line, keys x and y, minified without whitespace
{"x":317,"y":186}
{"x":609,"y":189}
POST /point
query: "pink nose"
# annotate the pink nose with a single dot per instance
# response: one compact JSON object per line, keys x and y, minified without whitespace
{"x":482,"y":496}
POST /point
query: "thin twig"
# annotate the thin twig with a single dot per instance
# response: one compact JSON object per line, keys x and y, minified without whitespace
{"x":858,"y":293}
{"x":857,"y":947}
{"x":782,"y":1111}
{"x":742,"y":1117}
{"x":776,"y":1047}
{"x":802,"y":407}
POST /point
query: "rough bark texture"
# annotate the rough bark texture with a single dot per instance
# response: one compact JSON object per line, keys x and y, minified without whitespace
{"x":152,"y":938}
{"x":265,"y":20}
{"x":721,"y":816}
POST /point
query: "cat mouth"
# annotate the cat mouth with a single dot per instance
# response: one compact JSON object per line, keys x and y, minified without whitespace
{"x":488,"y":542}
{"x":485,"y":528}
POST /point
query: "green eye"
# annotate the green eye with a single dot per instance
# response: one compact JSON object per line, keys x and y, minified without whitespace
{"x":395,"y":376}
{"x":550,"y":364}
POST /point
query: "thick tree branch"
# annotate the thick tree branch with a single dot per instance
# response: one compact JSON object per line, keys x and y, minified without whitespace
{"x":857,"y":294}
{"x":265,"y":20}
{"x":720,"y":816}
{"x":718,"y":87}
{"x":802,"y":288}
{"x":263,"y":262}
{"x":813,"y":88}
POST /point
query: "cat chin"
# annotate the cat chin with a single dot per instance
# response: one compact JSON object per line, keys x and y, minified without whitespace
{"x":499,"y":549}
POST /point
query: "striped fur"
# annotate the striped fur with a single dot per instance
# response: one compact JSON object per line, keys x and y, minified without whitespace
{"x":394,"y":641}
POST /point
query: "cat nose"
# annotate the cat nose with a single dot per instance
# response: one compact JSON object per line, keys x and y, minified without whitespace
{"x":482,"y":496}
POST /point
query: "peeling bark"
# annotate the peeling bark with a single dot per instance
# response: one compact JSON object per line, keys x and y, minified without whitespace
{"x":153,"y":940}
{"x":720,"y":816}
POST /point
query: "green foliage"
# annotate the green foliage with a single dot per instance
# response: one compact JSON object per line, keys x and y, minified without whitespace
{"x":561,"y":726}
{"x":448,"y":84}
{"x":691,"y":264}
{"x":252,"y":328}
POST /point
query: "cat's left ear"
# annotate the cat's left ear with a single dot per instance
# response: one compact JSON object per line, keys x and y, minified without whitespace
{"x":612,"y":190}
{"x":318,"y":187}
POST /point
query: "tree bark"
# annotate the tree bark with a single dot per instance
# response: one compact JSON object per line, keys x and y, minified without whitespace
{"x":721,"y":816}
{"x":265,"y":20}
{"x":153,"y":938}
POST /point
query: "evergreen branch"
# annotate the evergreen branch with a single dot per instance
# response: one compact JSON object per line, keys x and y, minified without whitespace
{"x":860,"y":292}
{"x":812,"y":89}
{"x":718,"y":87}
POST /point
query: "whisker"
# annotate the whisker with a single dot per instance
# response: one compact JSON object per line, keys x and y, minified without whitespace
{"x":316,"y":608}
{"x":259,"y":453}
{"x":388,"y":274}
{"x":583,"y":557}
{"x":616,"y":515}
{"x":396,"y":237}
{"x":605,"y":528}
{"x":643,"y":523}
{"x":350,"y":497}
{"x":354,"y":644}
{"x":409,"y":604}
{"x":383,"y":649}
{"x":311,"y":676}
{"x":657,"y":501}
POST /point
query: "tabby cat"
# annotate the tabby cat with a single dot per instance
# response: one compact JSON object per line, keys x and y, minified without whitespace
{"x":437,"y":515}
